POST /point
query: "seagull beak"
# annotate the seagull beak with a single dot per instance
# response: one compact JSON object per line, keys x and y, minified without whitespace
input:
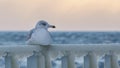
{"x":52,"y":26}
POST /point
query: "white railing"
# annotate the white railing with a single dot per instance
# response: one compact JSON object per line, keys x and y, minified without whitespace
{"x":40,"y":56}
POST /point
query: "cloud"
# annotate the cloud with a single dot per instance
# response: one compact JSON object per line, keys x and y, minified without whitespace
{"x":80,"y":14}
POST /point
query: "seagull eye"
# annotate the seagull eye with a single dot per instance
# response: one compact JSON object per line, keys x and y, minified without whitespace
{"x":44,"y":24}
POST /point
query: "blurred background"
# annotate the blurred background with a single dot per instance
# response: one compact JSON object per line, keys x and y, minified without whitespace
{"x":70,"y":15}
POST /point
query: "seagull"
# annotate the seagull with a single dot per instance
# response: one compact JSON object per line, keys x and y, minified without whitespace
{"x":40,"y":34}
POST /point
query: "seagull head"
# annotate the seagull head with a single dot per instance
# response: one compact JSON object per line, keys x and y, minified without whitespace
{"x":44,"y":24}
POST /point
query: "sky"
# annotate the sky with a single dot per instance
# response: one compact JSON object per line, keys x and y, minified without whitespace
{"x":70,"y":15}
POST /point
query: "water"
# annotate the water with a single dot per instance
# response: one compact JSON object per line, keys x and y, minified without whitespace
{"x":62,"y":38}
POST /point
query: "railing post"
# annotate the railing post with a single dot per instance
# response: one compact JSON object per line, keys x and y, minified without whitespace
{"x":36,"y":61}
{"x":107,"y":61}
{"x":47,"y":59}
{"x":64,"y":62}
{"x":114,"y":61}
{"x":68,"y":61}
{"x":11,"y":61}
{"x":111,"y":60}
{"x":71,"y":60}
{"x":90,"y":60}
{"x":41,"y":61}
{"x":46,"y":53}
{"x":86,"y":61}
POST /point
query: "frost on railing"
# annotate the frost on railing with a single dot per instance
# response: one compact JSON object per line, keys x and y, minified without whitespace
{"x":40,"y":56}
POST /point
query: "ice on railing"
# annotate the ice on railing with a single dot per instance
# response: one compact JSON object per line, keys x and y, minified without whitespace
{"x":41,"y":56}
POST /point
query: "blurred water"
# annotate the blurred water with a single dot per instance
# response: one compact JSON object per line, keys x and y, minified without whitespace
{"x":62,"y":38}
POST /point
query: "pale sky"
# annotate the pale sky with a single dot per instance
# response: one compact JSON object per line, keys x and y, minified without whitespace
{"x":71,"y":15}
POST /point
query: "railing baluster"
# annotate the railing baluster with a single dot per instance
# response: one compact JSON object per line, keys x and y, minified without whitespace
{"x":90,"y":60}
{"x":32,"y":61}
{"x":41,"y":61}
{"x":86,"y":61}
{"x":11,"y":61}
{"x":68,"y":61}
{"x":114,"y":61}
{"x":36,"y":61}
{"x":8,"y":62}
{"x":71,"y":61}
{"x":107,"y":61}
{"x":93,"y":60}
{"x":111,"y":60}
{"x":47,"y":59}
{"x":64,"y":62}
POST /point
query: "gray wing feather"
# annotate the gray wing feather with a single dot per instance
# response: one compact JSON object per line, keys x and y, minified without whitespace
{"x":30,"y":34}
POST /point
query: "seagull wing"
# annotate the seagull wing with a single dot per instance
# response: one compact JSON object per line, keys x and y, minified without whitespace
{"x":30,"y":34}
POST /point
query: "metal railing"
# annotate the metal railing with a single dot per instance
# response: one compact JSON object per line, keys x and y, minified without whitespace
{"x":40,"y":56}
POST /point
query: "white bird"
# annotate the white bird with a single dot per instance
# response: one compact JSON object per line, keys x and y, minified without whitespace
{"x":40,"y":34}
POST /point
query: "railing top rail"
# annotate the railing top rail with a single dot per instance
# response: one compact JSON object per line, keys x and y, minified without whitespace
{"x":86,"y":47}
{"x":81,"y":48}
